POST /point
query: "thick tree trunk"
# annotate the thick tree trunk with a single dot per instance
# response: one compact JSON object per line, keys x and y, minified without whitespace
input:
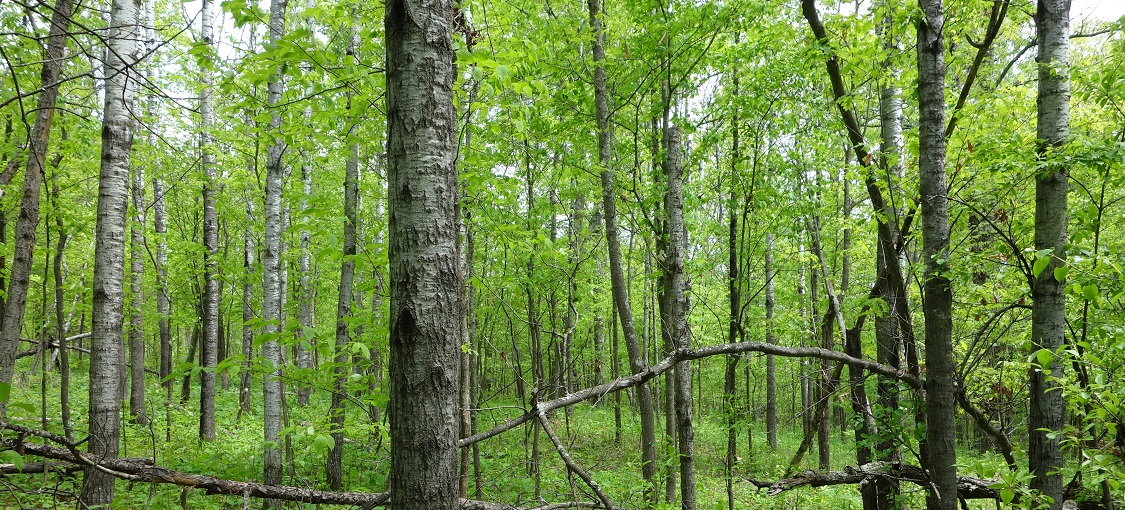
{"x":937,"y":299}
{"x":19,"y":275}
{"x":1047,"y":412}
{"x":272,"y":286}
{"x":107,"y":357}
{"x":616,"y":267}
{"x":425,"y":266}
{"x":210,"y":319}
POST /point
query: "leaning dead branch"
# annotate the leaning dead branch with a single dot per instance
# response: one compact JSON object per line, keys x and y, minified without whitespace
{"x":967,"y":486}
{"x":679,"y":355}
{"x":570,"y":464}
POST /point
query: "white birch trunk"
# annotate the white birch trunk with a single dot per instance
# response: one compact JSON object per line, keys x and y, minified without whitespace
{"x":106,"y":348}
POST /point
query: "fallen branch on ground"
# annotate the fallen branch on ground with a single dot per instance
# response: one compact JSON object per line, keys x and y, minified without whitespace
{"x":967,"y":486}
{"x":143,"y":470}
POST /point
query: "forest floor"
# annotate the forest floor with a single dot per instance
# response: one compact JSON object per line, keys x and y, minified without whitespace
{"x":171,"y":439}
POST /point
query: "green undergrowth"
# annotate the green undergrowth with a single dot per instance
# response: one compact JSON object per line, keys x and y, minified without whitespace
{"x":508,"y":475}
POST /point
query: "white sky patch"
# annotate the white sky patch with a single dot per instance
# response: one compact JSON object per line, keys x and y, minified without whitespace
{"x":1105,"y":10}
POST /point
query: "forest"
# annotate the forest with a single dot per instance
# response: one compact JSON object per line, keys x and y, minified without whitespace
{"x":615,"y":254}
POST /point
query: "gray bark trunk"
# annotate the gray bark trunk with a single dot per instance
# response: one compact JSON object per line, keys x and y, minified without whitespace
{"x":272,"y":288}
{"x":940,"y":454}
{"x":1047,"y":413}
{"x":677,"y":306}
{"x":613,"y":241}
{"x":305,"y":310}
{"x":210,"y":319}
{"x":160,"y":227}
{"x":771,"y":365}
{"x":333,"y":469}
{"x":136,"y":310}
{"x":247,"y":313}
{"x":425,"y":267}
{"x":107,"y":356}
{"x":19,"y":274}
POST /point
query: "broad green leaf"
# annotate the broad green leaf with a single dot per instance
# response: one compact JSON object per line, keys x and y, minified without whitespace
{"x":1090,"y":292}
{"x":1044,"y":357}
{"x":1007,"y":495}
{"x":1040,"y":264}
{"x":11,"y":457}
{"x":1060,"y":273}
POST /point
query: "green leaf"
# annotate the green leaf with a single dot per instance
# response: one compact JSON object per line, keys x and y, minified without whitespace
{"x":5,"y":391}
{"x":1040,"y":264}
{"x":11,"y":457}
{"x":1007,"y":495}
{"x":1060,"y":273}
{"x":1090,"y":292}
{"x":1044,"y":357}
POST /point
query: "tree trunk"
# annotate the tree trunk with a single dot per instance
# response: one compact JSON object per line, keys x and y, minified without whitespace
{"x":305,"y":292}
{"x":940,"y":455}
{"x":19,"y":275}
{"x":771,"y":365}
{"x":210,"y":317}
{"x":425,"y":266}
{"x":677,"y":306}
{"x":1047,"y":412}
{"x":107,"y":357}
{"x":333,"y":465}
{"x":613,"y":241}
{"x":272,"y":286}
{"x":136,"y":310}
{"x":62,"y":324}
{"x":162,"y":308}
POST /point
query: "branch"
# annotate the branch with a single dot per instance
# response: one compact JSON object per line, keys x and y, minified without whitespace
{"x":967,"y":487}
{"x":570,"y":464}
{"x":690,"y":355}
{"x":143,"y":470}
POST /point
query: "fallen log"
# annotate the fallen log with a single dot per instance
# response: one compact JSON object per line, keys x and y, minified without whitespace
{"x":967,"y":487}
{"x":144,"y":470}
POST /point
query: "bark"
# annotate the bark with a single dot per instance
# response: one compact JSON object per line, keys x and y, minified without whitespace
{"x":106,"y":349}
{"x":940,"y":455}
{"x":734,"y":295}
{"x":272,"y":286}
{"x":613,"y":241}
{"x":1047,"y":412}
{"x":305,"y":293}
{"x":136,"y":310}
{"x":62,"y":324}
{"x":425,"y":266}
{"x":771,"y":366}
{"x":967,"y":487}
{"x":15,"y":299}
{"x":210,"y":319}
{"x":247,"y":314}
{"x":333,"y":465}
{"x":162,"y":304}
{"x":677,"y":305}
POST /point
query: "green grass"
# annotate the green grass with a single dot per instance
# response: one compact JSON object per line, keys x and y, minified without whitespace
{"x":588,"y":433}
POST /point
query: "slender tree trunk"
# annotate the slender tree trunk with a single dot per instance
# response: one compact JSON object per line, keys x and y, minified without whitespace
{"x":305,"y":292}
{"x":1047,"y":413}
{"x":937,"y":295}
{"x":272,"y":286}
{"x":677,"y":306}
{"x":734,"y":295}
{"x":19,"y":275}
{"x":771,"y":365}
{"x":162,"y":304}
{"x":136,"y":310}
{"x":247,"y":313}
{"x":61,"y":324}
{"x":617,"y":274}
{"x":333,"y":466}
{"x":425,"y":274}
{"x":107,"y":357}
{"x":210,"y":319}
